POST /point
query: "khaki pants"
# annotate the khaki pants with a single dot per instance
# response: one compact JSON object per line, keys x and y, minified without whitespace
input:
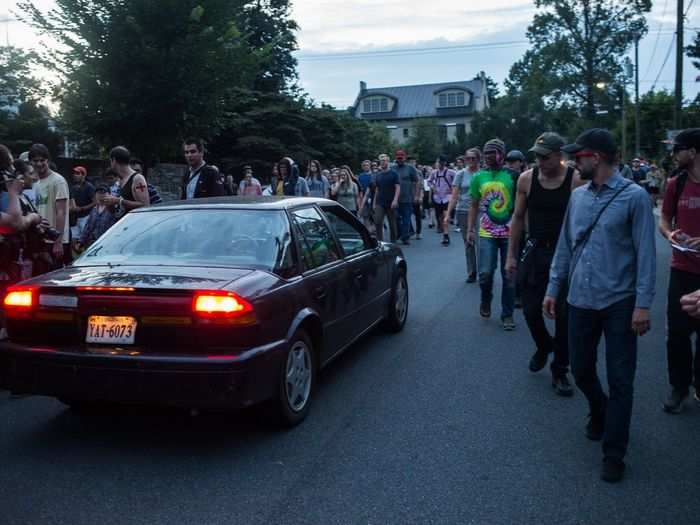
{"x":379,"y":213}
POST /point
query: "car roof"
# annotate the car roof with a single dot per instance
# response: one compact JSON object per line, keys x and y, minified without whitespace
{"x":244,"y":203}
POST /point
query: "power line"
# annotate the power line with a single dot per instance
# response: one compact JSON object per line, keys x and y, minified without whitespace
{"x":412,"y":51}
{"x":656,"y":42}
{"x":668,"y":54}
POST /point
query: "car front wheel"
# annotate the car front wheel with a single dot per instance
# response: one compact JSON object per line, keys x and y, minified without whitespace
{"x":297,"y":381}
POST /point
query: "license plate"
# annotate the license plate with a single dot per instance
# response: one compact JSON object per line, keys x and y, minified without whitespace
{"x":111,"y":330}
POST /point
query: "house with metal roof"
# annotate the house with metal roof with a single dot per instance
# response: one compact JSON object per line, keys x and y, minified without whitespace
{"x":451,"y":105}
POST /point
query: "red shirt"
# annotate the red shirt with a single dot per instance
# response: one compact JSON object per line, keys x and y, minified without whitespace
{"x":687,"y":219}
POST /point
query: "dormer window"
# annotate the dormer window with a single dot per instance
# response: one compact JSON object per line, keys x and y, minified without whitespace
{"x":375,"y":105}
{"x":452,"y":99}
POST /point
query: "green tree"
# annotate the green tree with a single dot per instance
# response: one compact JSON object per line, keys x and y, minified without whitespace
{"x":132,"y":75}
{"x":425,"y":142}
{"x":577,"y":44}
{"x":18,"y":84}
{"x":264,"y":127}
{"x":693,"y":50}
{"x":268,"y":25}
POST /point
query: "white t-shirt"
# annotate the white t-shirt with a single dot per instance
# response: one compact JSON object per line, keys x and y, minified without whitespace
{"x":48,"y":191}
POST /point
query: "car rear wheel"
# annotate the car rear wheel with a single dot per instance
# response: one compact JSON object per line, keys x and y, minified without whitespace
{"x":397,"y":311}
{"x":297,"y":381}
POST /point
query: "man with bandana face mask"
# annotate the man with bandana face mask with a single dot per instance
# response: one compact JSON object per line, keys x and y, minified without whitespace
{"x":492,"y":191}
{"x":607,"y":257}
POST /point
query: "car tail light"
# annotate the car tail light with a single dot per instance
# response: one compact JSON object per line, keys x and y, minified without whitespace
{"x":19,"y":302}
{"x":226,"y":307}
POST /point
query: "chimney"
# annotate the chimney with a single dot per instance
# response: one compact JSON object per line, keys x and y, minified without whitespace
{"x":363,"y":86}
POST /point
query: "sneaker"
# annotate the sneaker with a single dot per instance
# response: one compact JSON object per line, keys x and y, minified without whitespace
{"x":595,"y":426}
{"x":418,"y":236}
{"x":538,"y":361}
{"x":485,"y":310}
{"x":458,"y":230}
{"x":445,"y":241}
{"x":431,"y":225}
{"x":674,"y":401}
{"x":405,"y":242}
{"x":472,"y":279}
{"x":613,"y":470}
{"x":561,"y":385}
{"x":508,"y":324}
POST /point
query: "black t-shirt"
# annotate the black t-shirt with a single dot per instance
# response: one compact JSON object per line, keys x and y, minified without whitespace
{"x":83,"y":195}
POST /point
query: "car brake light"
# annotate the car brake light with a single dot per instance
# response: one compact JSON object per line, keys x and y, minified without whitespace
{"x":19,"y":303}
{"x":225,"y":306}
{"x":20,"y":299}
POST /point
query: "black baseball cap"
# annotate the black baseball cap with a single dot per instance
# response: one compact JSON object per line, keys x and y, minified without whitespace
{"x":595,"y":139}
{"x":686,"y":139}
{"x":547,"y":143}
{"x":515,"y":154}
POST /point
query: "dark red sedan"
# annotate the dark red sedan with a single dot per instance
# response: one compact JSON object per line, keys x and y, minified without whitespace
{"x":215,"y":303}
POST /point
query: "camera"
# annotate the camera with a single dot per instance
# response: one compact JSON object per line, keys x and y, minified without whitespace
{"x":50,"y":234}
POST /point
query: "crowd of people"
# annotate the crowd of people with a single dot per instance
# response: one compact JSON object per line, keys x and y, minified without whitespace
{"x":573,"y":233}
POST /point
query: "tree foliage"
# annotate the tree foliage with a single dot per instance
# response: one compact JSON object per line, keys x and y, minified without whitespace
{"x":131,"y":75}
{"x":23,"y":120}
{"x":575,"y":45}
{"x":18,"y":84}
{"x":264,"y":127}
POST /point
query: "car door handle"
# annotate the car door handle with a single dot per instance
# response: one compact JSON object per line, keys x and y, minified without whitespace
{"x":358,"y":274}
{"x":320,"y":293}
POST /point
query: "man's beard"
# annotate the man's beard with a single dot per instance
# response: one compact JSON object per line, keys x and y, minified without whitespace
{"x":685,"y":164}
{"x":587,"y":174}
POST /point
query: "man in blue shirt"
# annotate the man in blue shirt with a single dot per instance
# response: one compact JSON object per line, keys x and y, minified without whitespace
{"x":610,"y":268}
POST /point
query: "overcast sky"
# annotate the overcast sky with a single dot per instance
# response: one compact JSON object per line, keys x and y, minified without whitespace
{"x":378,"y":28}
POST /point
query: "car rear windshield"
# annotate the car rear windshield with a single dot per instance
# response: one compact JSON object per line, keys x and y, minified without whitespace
{"x":204,"y":237}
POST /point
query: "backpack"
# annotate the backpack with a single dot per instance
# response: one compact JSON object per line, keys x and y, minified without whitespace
{"x":680,"y":179}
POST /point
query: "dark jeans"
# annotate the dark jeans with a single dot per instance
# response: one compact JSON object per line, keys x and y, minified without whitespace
{"x":681,"y":327}
{"x":418,"y":215}
{"x":489,"y":250}
{"x":585,"y":330}
{"x":405,"y":212}
{"x":533,"y":276}
{"x":469,"y":249}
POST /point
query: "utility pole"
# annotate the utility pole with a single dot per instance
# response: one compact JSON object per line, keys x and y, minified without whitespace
{"x":678,"y":106}
{"x":636,"y":98}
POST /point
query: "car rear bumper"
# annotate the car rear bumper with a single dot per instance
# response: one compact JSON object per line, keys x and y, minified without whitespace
{"x":218,"y":382}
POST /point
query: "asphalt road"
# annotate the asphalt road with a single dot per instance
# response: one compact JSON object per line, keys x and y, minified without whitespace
{"x":442,"y":423}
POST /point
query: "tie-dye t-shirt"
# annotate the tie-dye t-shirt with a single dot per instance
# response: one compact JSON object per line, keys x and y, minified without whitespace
{"x":495,"y":191}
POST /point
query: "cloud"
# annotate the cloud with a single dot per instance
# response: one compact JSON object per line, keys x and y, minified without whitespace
{"x":337,"y":25}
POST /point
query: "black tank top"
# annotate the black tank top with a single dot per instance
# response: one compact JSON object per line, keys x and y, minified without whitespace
{"x":546,"y":208}
{"x":126,"y":192}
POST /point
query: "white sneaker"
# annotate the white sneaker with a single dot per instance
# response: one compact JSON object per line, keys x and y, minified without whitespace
{"x":418,"y":236}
